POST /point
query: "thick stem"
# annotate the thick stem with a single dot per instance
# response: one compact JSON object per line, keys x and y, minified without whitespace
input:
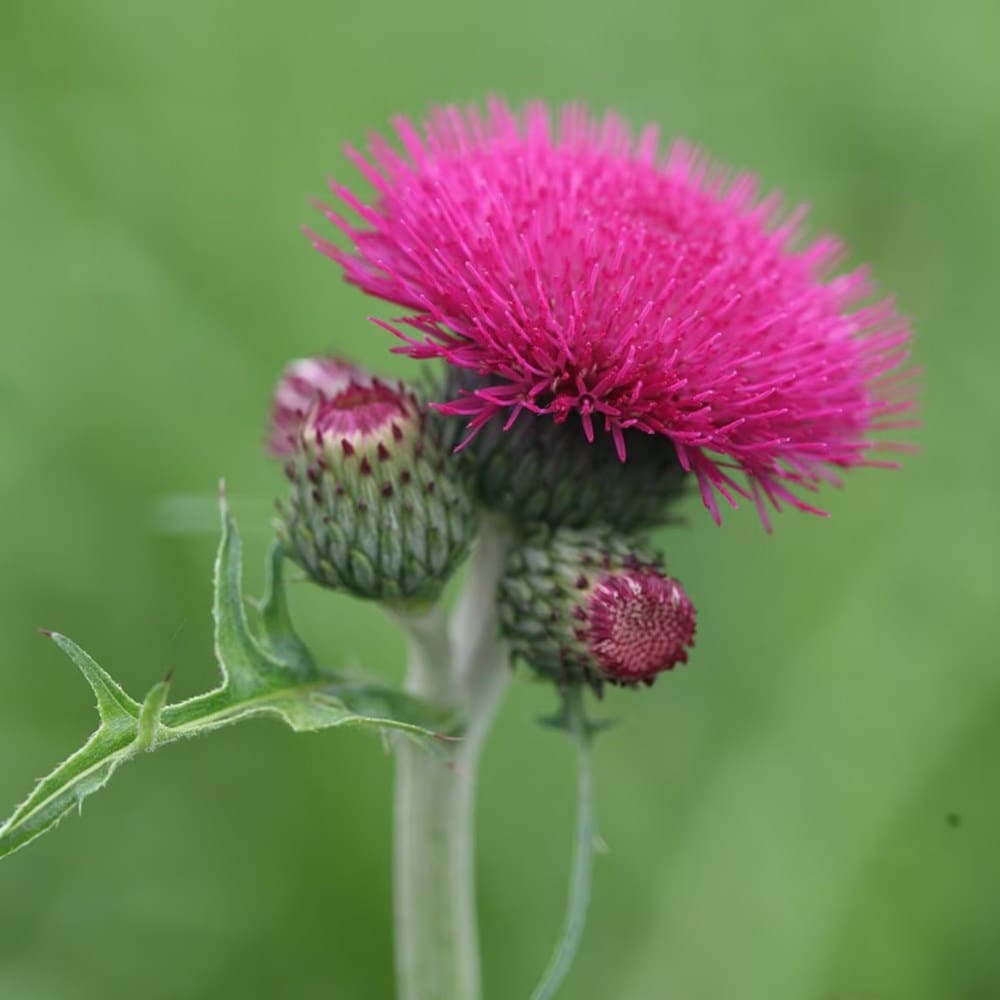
{"x":437,"y":941}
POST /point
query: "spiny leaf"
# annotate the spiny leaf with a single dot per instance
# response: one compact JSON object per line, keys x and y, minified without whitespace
{"x":88,"y":769}
{"x":247,"y":668}
{"x":270,"y":675}
{"x":112,"y":702}
{"x":277,"y":633}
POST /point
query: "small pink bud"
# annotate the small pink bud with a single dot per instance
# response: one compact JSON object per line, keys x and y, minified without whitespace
{"x":591,"y":606}
{"x":364,"y":514}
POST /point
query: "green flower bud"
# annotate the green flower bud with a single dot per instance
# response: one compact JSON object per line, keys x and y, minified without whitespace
{"x":542,"y":471}
{"x":377,"y":505}
{"x":588,"y":606}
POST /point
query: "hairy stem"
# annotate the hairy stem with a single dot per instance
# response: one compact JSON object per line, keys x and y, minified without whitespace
{"x":437,"y":942}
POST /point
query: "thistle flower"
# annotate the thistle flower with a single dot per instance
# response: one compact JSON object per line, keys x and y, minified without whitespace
{"x":580,"y":272}
{"x":377,"y":507}
{"x":590,"y":606}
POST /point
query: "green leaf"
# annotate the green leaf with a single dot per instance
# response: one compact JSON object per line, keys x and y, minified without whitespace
{"x":277,"y":634}
{"x":266,"y":670}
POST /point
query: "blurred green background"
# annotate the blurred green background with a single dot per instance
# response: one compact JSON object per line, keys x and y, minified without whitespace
{"x":808,"y":811}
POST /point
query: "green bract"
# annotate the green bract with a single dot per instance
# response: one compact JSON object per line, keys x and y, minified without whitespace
{"x":548,"y":472}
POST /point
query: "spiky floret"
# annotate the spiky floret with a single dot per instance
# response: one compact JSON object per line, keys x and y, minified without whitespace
{"x":377,"y":506}
{"x":591,"y":275}
{"x":591,"y":606}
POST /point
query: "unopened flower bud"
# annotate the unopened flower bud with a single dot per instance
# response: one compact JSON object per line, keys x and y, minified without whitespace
{"x":539,"y":470}
{"x":587,"y":606}
{"x":377,"y":505}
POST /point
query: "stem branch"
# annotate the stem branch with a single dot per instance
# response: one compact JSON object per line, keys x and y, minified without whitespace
{"x":583,"y":853}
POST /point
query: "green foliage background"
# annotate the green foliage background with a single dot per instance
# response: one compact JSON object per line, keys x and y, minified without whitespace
{"x":808,"y":811}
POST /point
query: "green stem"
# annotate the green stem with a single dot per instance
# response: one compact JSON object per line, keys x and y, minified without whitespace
{"x":583,"y":853}
{"x":437,"y":942}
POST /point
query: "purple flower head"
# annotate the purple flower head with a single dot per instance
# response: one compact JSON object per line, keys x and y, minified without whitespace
{"x":576,"y":269}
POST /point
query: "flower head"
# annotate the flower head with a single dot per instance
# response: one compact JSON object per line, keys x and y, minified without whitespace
{"x":589,"y":606}
{"x":377,"y":506}
{"x":578,"y":271}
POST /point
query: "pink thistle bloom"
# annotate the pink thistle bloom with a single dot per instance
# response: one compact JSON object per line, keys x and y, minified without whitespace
{"x":578,"y":270}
